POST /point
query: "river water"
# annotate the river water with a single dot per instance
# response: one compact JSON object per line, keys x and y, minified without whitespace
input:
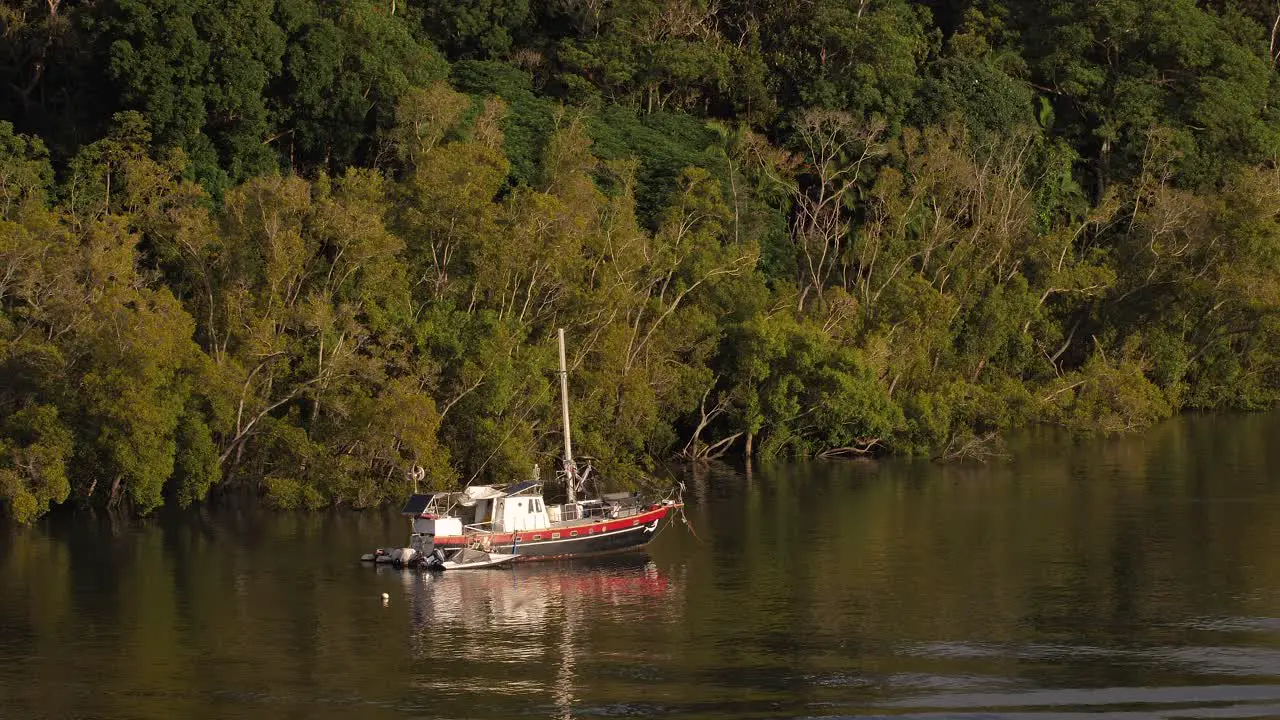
{"x":1135,"y":577}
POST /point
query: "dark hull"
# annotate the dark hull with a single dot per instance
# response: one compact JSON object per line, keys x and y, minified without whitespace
{"x":572,"y":541}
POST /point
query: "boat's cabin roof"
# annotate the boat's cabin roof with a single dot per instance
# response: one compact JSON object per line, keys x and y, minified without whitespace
{"x":421,"y":504}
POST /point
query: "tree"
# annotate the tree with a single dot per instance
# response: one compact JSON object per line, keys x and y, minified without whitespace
{"x":199,"y":71}
{"x":475,"y":28}
{"x":1116,"y":69}
{"x":34,"y":449}
{"x":344,"y":68}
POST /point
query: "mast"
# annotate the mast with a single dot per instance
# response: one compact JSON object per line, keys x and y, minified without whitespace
{"x":571,"y":471}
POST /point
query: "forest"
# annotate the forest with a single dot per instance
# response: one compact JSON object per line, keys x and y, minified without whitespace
{"x":297,"y":247}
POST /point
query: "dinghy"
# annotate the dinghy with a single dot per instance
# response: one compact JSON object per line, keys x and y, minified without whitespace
{"x":469,"y":559}
{"x":439,"y":559}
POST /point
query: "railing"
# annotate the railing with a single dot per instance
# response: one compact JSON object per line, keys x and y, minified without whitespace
{"x":568,"y":512}
{"x":478,"y":527}
{"x":586,"y":511}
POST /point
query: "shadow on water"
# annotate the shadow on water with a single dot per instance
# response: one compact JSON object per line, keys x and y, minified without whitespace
{"x":1134,"y":577}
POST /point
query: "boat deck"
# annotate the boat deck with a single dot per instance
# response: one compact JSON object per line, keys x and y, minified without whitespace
{"x":602,"y":516}
{"x":588,"y":535}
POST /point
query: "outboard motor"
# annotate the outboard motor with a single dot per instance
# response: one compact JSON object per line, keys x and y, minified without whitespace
{"x":433,"y":561}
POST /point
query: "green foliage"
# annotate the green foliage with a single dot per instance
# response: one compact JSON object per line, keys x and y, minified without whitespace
{"x":467,"y":28}
{"x":1108,"y":398}
{"x":803,"y":392}
{"x":133,"y":394}
{"x":345,"y":65}
{"x":34,"y":449}
{"x":863,"y":57}
{"x":989,"y":102}
{"x":198,"y":70}
{"x":663,"y":144}
{"x":530,"y":121}
{"x":289,"y":494}
{"x":292,"y":247}
{"x":1118,"y":68}
{"x":196,"y":460}
{"x":25,"y":173}
{"x":654,"y":56}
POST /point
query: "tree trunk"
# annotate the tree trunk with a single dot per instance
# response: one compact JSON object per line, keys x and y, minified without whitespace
{"x":750,"y":441}
{"x":114,"y":499}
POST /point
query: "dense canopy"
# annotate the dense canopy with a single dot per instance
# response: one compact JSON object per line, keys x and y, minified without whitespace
{"x":301,"y":246}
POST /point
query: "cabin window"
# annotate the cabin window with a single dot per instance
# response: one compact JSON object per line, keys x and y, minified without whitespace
{"x":531,"y":508}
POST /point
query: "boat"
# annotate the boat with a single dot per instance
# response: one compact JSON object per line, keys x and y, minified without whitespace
{"x":516,"y":520}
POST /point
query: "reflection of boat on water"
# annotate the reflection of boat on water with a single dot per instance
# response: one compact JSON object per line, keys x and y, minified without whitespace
{"x":516,"y":520}
{"x":528,"y":594}
{"x":529,"y":630}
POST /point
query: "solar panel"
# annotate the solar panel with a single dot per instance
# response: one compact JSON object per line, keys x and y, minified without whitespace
{"x":521,"y":487}
{"x":417,"y":504}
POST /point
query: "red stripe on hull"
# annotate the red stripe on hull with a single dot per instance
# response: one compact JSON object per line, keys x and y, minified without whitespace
{"x":592,"y":538}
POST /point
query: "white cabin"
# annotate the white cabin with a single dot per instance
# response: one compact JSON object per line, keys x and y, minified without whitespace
{"x":520,"y":508}
{"x":488,"y":509}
